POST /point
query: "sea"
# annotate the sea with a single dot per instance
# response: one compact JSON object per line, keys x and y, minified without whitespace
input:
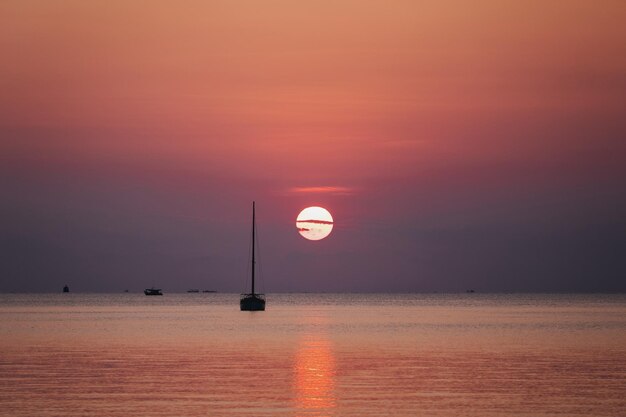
{"x":313,"y":355}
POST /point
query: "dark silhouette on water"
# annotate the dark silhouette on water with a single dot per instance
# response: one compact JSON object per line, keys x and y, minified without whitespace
{"x":152,"y":291}
{"x":66,"y":288}
{"x":252,"y":301}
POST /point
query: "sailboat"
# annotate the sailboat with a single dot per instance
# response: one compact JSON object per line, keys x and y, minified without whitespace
{"x":252,"y":301}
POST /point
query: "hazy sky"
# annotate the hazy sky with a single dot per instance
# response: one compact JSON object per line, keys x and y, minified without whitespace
{"x":457,"y":144}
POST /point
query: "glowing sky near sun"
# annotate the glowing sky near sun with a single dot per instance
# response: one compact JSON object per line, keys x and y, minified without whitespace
{"x":452,"y":138}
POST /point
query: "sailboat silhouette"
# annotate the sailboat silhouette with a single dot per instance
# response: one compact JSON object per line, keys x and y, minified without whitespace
{"x":252,"y":301}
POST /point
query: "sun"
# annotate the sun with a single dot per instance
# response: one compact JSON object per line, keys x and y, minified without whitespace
{"x":314,"y":223}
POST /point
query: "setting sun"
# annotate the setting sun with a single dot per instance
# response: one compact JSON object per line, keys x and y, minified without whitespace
{"x":314,"y":223}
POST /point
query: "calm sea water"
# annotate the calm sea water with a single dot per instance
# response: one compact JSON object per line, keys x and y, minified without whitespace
{"x":313,"y":355}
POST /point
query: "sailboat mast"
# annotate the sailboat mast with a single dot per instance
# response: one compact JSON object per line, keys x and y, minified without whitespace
{"x":253,"y":244}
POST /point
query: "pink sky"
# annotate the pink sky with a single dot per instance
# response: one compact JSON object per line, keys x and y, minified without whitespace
{"x":481,"y":120}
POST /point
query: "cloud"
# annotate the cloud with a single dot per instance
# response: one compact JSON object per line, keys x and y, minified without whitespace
{"x":325,"y":189}
{"x":314,"y":221}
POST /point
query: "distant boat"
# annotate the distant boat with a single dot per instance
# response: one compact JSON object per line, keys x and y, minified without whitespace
{"x":252,"y":301}
{"x":209,"y":291}
{"x":152,"y":291}
{"x":193,"y":290}
{"x":66,"y":289}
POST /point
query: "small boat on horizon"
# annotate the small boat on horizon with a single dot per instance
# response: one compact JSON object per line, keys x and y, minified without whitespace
{"x":190,"y":291}
{"x":252,"y":301}
{"x":66,"y":289}
{"x":152,"y":291}
{"x":208,"y":291}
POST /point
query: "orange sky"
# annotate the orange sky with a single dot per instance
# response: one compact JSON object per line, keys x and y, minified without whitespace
{"x":346,"y":85}
{"x":409,"y":104}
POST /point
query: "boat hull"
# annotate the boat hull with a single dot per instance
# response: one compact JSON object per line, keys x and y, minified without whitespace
{"x":151,"y":291}
{"x":252,"y":302}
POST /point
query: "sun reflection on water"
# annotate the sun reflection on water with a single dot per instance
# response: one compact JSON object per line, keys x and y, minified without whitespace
{"x":314,"y":377}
